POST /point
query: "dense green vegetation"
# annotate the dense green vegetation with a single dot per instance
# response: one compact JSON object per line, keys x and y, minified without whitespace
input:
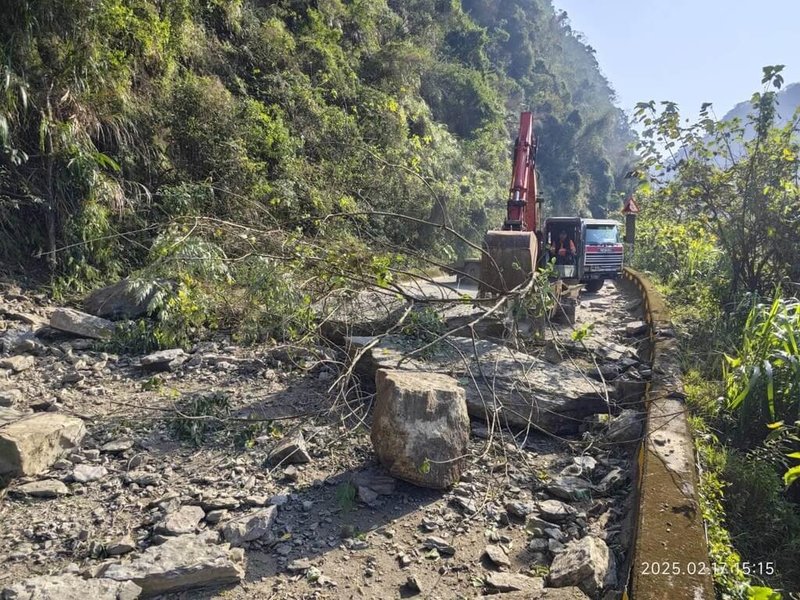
{"x":719,"y":231}
{"x":138,"y":132}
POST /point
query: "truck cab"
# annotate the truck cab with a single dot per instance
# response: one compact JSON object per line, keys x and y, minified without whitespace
{"x":598,"y":249}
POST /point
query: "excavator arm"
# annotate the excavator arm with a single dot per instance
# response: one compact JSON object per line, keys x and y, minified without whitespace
{"x":522,"y":208}
{"x":510,"y":253}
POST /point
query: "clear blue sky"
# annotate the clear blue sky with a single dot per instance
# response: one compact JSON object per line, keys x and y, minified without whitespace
{"x":688,"y":51}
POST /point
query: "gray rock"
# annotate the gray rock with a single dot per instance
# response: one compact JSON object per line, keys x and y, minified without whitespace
{"x":413,"y":585}
{"x":10,"y":397}
{"x":439,"y":544}
{"x":626,"y":427}
{"x":538,"y":544}
{"x":512,"y":582}
{"x":85,"y":473}
{"x":164,"y":360}
{"x":497,"y":555}
{"x":565,"y":593}
{"x":569,"y":488}
{"x":251,"y":526}
{"x":70,"y":587}
{"x":556,"y":511}
{"x":123,"y":300}
{"x":290,"y":450}
{"x":613,"y":480}
{"x":299,"y":565}
{"x":635,"y":328}
{"x":215,"y":516}
{"x":10,"y":415}
{"x":586,"y":563}
{"x":587,"y":464}
{"x":523,"y":389}
{"x":32,"y":444}
{"x":181,"y":563}
{"x":420,"y":427}
{"x":519,"y":510}
{"x":184,"y":520}
{"x":117,"y":446}
{"x":371,"y":484}
{"x":19,"y":363}
{"x":121,"y":546}
{"x":46,"y":488}
{"x":81,"y":324}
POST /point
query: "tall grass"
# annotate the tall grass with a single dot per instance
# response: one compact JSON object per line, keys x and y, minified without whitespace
{"x":762,"y":382}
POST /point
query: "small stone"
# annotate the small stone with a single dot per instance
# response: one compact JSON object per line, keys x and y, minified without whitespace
{"x":19,"y":363}
{"x":614,"y":479}
{"x":291,"y":450}
{"x":635,"y":328}
{"x":538,"y":545}
{"x":298,"y":565}
{"x":81,"y":324}
{"x":439,"y":544}
{"x":46,"y":488}
{"x":412,"y":585}
{"x":85,"y":473}
{"x":164,"y":360}
{"x":10,"y":397}
{"x":570,"y":488}
{"x":556,"y":511}
{"x":587,"y":563}
{"x":519,"y":510}
{"x":290,"y":473}
{"x":184,"y":520}
{"x":512,"y":582}
{"x":497,"y":555}
{"x":91,"y":454}
{"x":251,"y":526}
{"x":279,"y":500}
{"x":120,"y":547}
{"x":30,"y":445}
{"x":215,"y":516}
{"x":117,"y":446}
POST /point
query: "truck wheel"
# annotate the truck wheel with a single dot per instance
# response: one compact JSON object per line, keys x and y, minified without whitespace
{"x":595,"y":285}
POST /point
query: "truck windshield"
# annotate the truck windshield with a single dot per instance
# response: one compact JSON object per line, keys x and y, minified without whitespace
{"x":602,"y":235}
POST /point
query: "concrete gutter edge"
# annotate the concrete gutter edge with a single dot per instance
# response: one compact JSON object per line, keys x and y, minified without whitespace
{"x":670,"y":552}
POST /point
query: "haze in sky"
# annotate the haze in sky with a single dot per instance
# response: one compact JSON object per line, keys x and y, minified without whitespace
{"x":688,"y":51}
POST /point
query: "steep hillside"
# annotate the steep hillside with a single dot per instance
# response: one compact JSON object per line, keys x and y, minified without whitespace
{"x":121,"y":118}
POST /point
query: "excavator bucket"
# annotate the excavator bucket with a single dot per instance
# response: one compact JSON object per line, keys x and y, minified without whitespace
{"x":508,"y":260}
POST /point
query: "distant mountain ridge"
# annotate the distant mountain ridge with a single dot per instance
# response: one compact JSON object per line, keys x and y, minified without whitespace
{"x":788,"y":102}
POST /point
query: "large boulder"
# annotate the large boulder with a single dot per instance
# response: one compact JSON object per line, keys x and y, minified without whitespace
{"x":587,"y":563}
{"x":32,"y":444}
{"x":125,"y":299}
{"x":81,"y":324}
{"x":70,"y":587}
{"x":520,"y":389}
{"x":420,"y":427}
{"x":181,"y":563}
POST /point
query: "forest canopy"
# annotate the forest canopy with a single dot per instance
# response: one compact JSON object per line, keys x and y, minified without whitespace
{"x":120,"y":117}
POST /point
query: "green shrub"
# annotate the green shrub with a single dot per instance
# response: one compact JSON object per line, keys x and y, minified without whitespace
{"x":199,"y":415}
{"x":764,"y":525}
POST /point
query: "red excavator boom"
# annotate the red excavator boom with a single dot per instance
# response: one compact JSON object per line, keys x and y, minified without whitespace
{"x":521,"y":215}
{"x":510,"y":253}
